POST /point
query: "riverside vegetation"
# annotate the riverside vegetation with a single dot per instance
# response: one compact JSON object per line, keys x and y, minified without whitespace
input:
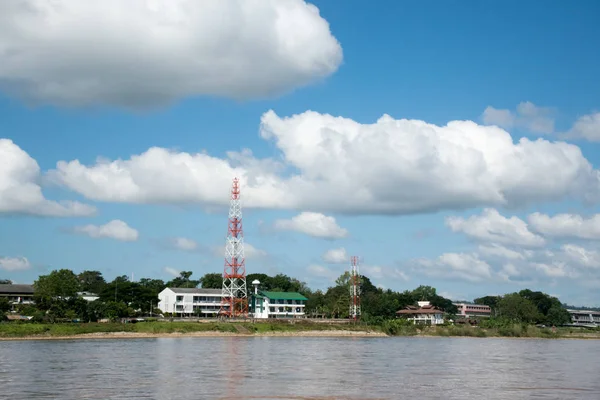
{"x":57,"y":306}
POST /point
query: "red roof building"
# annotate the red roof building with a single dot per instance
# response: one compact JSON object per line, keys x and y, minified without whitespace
{"x":424,"y":313}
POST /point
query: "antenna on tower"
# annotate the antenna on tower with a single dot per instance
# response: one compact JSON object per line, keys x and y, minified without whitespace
{"x":354,"y":289}
{"x":235,"y":294}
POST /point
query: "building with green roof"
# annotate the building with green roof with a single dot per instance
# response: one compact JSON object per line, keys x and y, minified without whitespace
{"x":265,"y":304}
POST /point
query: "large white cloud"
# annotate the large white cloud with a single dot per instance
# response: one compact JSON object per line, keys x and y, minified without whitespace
{"x":20,"y":192}
{"x":492,"y":227}
{"x":115,"y":229}
{"x":12,"y":264}
{"x":566,"y":225}
{"x":140,"y":53}
{"x":333,"y":164}
{"x":313,"y":224}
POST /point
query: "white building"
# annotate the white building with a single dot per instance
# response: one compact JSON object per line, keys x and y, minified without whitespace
{"x":425,"y":313}
{"x":17,"y":294}
{"x":88,"y":296}
{"x":585,"y":317}
{"x":187,"y":302}
{"x":471,"y":310}
{"x":278,"y":305}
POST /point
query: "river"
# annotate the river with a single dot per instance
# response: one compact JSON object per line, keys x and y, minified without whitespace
{"x":300,"y":368}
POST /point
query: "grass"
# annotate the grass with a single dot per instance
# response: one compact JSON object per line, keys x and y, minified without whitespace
{"x":513,"y":331}
{"x":391,"y":328}
{"x":27,"y":329}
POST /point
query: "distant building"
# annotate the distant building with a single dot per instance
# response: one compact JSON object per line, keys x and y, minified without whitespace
{"x":585,"y":317}
{"x":278,"y":305}
{"x":470,"y":310}
{"x":17,"y":294}
{"x":88,"y":296}
{"x":424,"y":313}
{"x":187,"y":302}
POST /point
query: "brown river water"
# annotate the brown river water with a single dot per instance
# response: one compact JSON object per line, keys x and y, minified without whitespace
{"x":300,"y":368}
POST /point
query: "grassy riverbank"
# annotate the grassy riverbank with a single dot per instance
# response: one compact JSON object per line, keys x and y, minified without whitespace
{"x":160,"y":329}
{"x":399,"y":328}
{"x":276,"y":328}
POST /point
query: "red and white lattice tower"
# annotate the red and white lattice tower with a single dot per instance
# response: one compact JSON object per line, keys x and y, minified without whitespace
{"x":235,"y":295}
{"x":354,"y":289}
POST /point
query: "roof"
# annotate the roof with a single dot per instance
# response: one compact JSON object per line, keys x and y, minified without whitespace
{"x":283,"y":296}
{"x":428,"y":309}
{"x":195,"y":291}
{"x":16,"y":289}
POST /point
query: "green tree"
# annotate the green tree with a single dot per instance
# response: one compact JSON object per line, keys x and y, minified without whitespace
{"x":58,"y":286}
{"x":5,"y":306}
{"x":5,"y":282}
{"x":517,"y":308}
{"x":91,"y":281}
{"x":157,"y":285}
{"x":549,"y":307}
{"x":183,"y":281}
{"x":131,"y":294}
{"x":212,"y":281}
{"x":424,"y":293}
{"x":490,"y":301}
{"x":557,"y":315}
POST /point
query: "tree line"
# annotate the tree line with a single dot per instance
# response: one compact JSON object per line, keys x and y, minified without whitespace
{"x":56,"y":298}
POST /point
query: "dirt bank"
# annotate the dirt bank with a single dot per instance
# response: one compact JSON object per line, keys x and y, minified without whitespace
{"x":142,"y":335}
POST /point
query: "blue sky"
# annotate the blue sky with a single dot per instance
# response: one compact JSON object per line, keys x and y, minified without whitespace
{"x":435,"y":193}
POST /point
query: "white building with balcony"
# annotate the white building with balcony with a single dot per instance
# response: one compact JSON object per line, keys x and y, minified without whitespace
{"x":188,"y":302}
{"x":589,"y":318}
{"x":278,"y":305}
{"x":17,"y":294}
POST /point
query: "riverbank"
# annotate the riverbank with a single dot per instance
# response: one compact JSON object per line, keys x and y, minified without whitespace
{"x":35,"y":331}
{"x":516,"y":331}
{"x":32,"y":331}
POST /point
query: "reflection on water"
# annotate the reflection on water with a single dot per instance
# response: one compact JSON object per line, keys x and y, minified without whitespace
{"x":300,"y":368}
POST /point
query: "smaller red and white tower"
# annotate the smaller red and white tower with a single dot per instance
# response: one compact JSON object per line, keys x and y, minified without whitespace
{"x":354,"y":289}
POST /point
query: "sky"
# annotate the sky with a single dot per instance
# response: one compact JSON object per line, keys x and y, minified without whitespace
{"x":454,"y":144}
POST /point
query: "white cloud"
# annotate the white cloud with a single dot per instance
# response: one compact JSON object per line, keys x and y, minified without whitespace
{"x":322,"y":272}
{"x":566,"y":225}
{"x":461,"y":266}
{"x":344,"y":166}
{"x":336,"y":256}
{"x":508,"y":272}
{"x":586,"y":127}
{"x":313,"y":224}
{"x":115,"y":229}
{"x":581,"y":256}
{"x":496,"y":250}
{"x":171,"y":271}
{"x":379,"y":272}
{"x":554,"y":269}
{"x":14,"y":264}
{"x":20,"y":192}
{"x":148,"y":53}
{"x":184,"y":244}
{"x":528,"y":116}
{"x":493,"y":227}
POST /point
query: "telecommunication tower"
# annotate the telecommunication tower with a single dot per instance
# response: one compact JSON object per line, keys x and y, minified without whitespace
{"x":235,"y":295}
{"x":354,"y":289}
